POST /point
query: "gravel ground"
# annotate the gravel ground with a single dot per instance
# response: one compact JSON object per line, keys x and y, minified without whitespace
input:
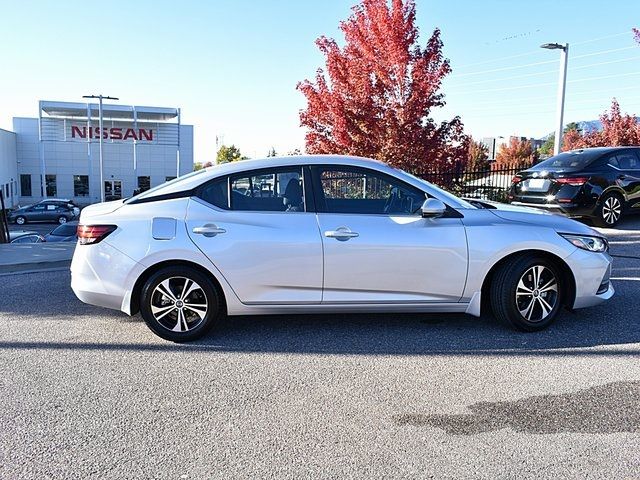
{"x":88,"y":392}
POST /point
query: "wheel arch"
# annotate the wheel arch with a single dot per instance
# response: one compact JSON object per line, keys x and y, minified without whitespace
{"x":615,"y":189}
{"x":134,"y":303}
{"x":565,"y":270}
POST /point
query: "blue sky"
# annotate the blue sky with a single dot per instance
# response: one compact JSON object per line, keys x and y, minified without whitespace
{"x":232,"y":66}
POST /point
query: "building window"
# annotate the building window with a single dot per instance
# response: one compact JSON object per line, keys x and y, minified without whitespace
{"x":168,"y":179}
{"x":52,"y":188}
{"x":80,"y":185}
{"x":25,"y":185}
{"x":144,"y":183}
{"x":6,"y":189}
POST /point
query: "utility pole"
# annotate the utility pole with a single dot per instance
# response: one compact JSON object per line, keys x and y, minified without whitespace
{"x":562,"y":86}
{"x":100,"y":98}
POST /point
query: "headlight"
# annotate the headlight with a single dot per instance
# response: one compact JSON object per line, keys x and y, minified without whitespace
{"x":593,"y":244}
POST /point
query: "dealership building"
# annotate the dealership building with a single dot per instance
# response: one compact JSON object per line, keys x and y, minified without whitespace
{"x":58,"y":154}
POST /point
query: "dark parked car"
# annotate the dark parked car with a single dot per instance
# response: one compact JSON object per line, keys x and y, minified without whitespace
{"x":599,"y":184}
{"x":67,"y":232}
{"x":25,"y":237}
{"x":62,"y":202}
{"x":42,"y":212}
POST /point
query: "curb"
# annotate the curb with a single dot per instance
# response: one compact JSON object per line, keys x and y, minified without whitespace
{"x":35,"y":267}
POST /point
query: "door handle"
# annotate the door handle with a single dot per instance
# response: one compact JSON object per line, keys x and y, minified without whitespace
{"x":209,"y":230}
{"x":341,"y":233}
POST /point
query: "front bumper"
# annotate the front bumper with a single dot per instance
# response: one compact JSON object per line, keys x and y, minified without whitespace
{"x":591,"y":272}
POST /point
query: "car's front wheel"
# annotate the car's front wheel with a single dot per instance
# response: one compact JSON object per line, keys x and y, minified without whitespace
{"x":21,"y":220}
{"x":62,"y":219}
{"x":526,"y":293}
{"x":179,"y":304}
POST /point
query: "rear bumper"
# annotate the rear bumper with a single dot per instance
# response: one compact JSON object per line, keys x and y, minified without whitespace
{"x":100,"y":275}
{"x":568,"y":209}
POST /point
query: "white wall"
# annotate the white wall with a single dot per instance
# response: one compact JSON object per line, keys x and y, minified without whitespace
{"x":68,"y":158}
{"x":8,"y":168}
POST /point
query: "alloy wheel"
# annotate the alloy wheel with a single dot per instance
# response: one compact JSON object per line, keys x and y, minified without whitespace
{"x":537,"y":293}
{"x":611,"y":210}
{"x":179,"y":304}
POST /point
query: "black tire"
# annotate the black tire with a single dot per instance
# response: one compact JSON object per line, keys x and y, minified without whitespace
{"x":609,"y":211}
{"x":509,"y":300}
{"x":20,"y":220}
{"x":62,"y":220}
{"x":194,"y":323}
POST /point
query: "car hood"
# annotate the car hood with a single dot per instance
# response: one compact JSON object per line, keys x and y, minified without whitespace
{"x":535,"y":216}
{"x":98,"y":209}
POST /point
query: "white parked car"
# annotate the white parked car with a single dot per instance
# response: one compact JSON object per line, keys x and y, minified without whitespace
{"x":328,"y":234}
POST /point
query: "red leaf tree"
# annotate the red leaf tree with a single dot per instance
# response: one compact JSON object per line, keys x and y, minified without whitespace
{"x":618,"y":129}
{"x":378,"y":91}
{"x":518,"y":153}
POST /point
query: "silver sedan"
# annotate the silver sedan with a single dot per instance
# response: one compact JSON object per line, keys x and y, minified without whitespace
{"x":328,"y":234}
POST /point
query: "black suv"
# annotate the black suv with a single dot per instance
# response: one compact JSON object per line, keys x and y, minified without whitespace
{"x":599,"y":184}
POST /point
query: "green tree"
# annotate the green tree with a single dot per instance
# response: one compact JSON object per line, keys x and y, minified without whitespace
{"x":546,"y":150}
{"x":229,"y":154}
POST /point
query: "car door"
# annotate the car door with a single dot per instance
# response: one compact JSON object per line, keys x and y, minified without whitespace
{"x":629,"y":177}
{"x":257,"y":228}
{"x":37,"y":213}
{"x":377,"y":246}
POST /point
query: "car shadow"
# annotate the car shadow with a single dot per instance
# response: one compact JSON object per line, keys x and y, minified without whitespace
{"x":611,"y":326}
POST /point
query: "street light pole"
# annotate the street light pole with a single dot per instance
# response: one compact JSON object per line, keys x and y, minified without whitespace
{"x":100,"y":98}
{"x":562,"y":86}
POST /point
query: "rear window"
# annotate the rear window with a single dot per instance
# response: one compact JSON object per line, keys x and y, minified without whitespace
{"x":569,"y":161}
{"x":65,"y":230}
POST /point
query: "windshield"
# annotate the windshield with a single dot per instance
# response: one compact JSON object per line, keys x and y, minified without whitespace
{"x":457,"y":201}
{"x":65,"y":230}
{"x":574,"y":160}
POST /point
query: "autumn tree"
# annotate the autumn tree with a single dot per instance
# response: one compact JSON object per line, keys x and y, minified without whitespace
{"x":478,"y":156}
{"x":618,"y":129}
{"x":547,"y":147}
{"x":229,"y":154}
{"x":375,"y":96}
{"x":518,"y":153}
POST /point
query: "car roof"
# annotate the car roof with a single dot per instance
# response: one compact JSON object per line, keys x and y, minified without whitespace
{"x":20,"y":233}
{"x":192,"y":180}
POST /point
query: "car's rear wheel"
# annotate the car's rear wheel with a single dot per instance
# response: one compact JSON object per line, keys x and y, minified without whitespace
{"x":526,"y":293}
{"x":21,"y":220}
{"x":62,"y":219}
{"x":179,"y":304}
{"x":609,"y":211}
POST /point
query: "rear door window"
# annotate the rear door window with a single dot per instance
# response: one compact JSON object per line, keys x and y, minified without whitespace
{"x":627,"y":161}
{"x":268,"y":190}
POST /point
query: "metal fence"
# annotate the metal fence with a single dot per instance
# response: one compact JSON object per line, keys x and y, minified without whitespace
{"x":483,"y":184}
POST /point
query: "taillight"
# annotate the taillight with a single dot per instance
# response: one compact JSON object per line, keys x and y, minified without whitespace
{"x":516,"y":179}
{"x":575,"y":182}
{"x":91,"y":234}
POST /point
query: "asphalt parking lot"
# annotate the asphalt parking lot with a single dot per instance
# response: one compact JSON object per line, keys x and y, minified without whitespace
{"x":91,"y":392}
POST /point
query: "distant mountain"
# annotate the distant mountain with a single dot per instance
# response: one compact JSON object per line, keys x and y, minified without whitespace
{"x":587,"y":126}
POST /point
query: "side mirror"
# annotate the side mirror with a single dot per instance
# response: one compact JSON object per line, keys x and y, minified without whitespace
{"x":433,"y":208}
